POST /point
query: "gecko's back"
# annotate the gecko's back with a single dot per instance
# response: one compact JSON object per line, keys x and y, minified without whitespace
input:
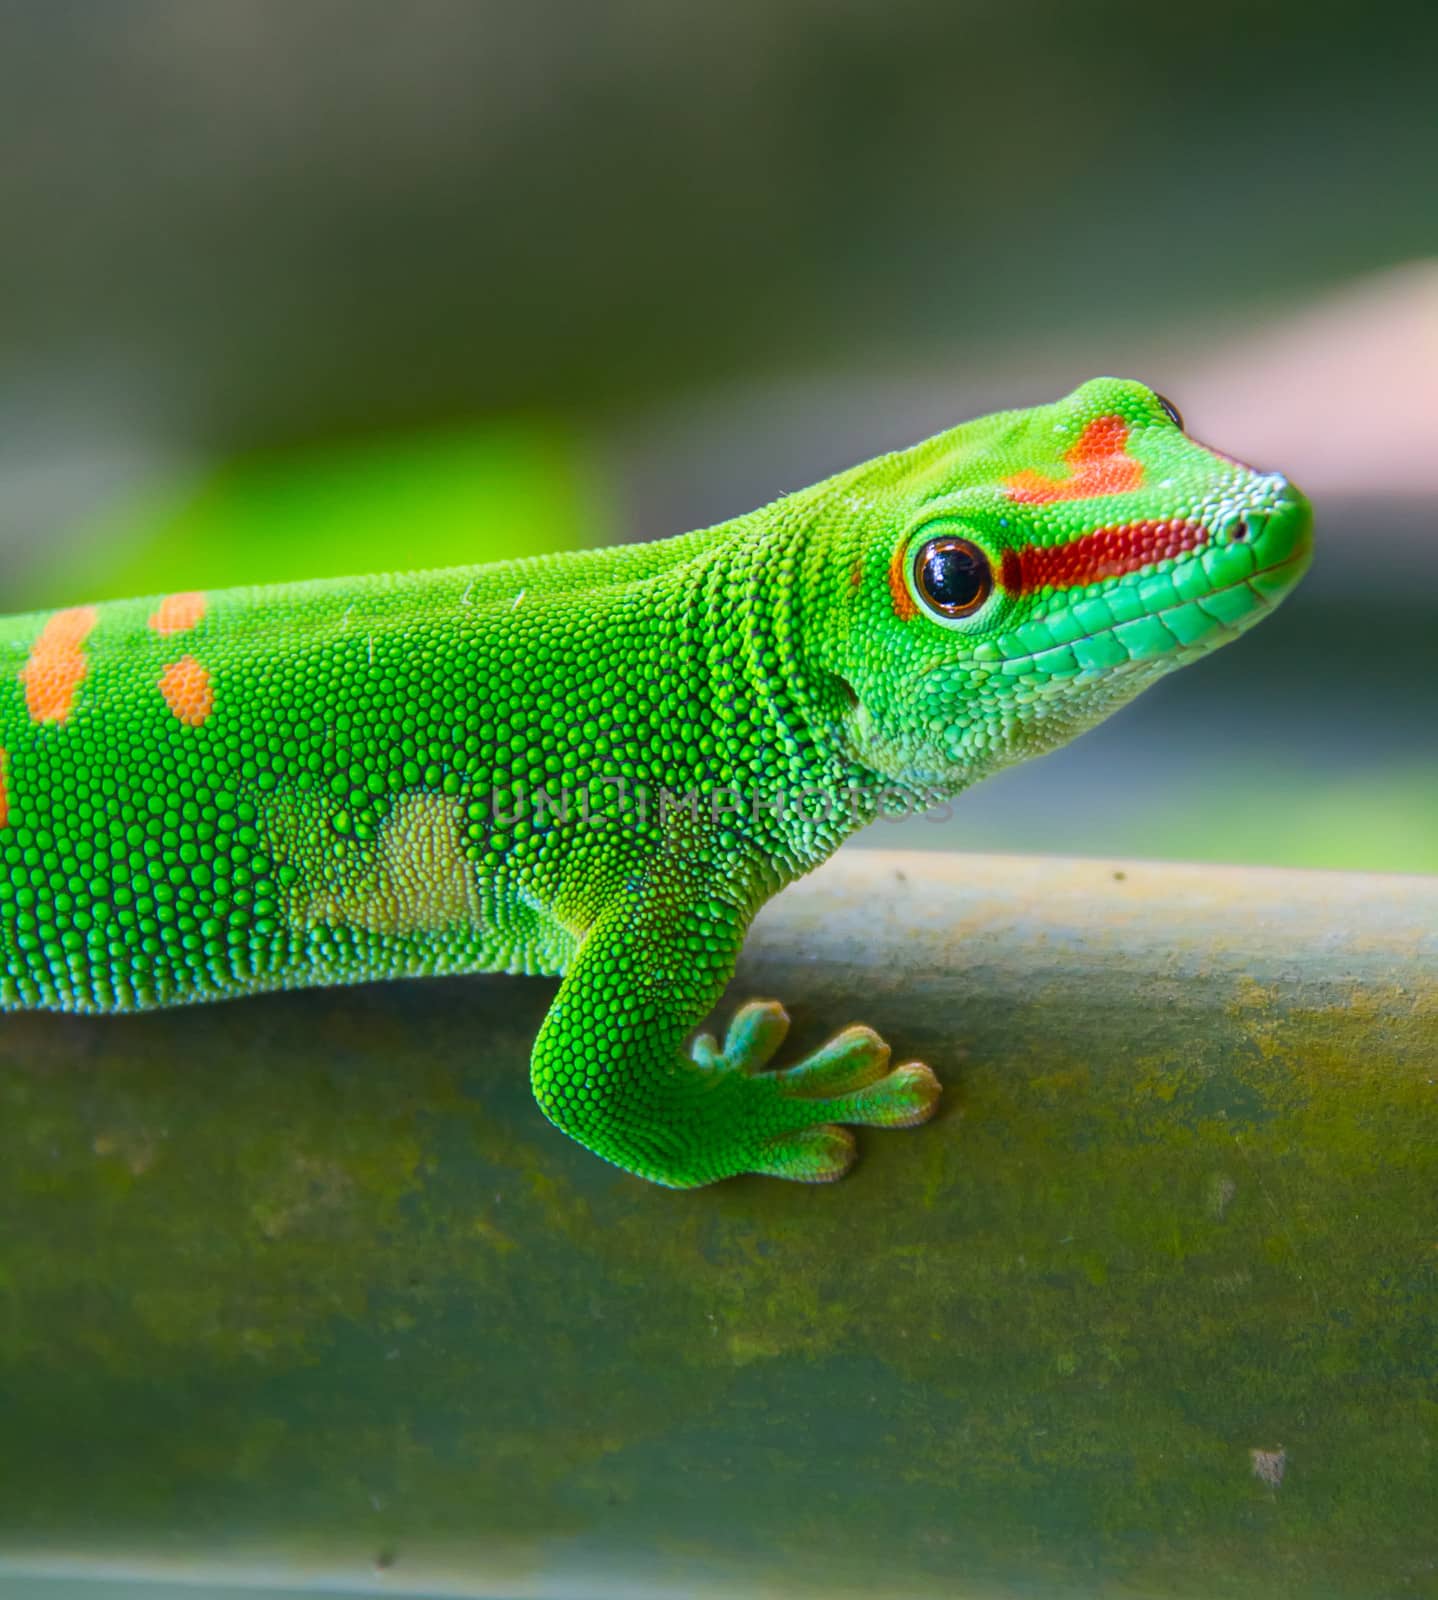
{"x":206,"y":794}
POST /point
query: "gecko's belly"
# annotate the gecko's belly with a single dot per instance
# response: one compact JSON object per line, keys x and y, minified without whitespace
{"x":64,"y":967}
{"x":166,"y":900}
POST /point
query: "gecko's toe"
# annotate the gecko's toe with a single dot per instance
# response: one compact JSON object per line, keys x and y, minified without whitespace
{"x":797,"y":1129}
{"x":906,"y":1096}
{"x":851,"y":1060}
{"x":848,"y":1081}
{"x":812,"y":1155}
{"x":754,"y":1035}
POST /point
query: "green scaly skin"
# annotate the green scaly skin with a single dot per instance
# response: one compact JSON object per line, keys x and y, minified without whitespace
{"x":328,"y":782}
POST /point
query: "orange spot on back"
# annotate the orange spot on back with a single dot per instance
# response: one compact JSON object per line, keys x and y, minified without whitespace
{"x":57,"y":664}
{"x":903,"y":601}
{"x":1099,"y":463}
{"x":4,"y":789}
{"x":178,"y":613}
{"x":188,"y":692}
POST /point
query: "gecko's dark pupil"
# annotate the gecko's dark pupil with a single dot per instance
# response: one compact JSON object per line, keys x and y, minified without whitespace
{"x":954,"y":576}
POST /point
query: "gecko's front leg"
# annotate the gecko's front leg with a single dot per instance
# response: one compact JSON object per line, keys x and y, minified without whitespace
{"x":610,"y":1068}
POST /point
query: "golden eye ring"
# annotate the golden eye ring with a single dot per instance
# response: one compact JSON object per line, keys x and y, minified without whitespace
{"x":953,"y":577}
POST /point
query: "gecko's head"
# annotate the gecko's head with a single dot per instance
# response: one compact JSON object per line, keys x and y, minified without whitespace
{"x":1024,"y":575}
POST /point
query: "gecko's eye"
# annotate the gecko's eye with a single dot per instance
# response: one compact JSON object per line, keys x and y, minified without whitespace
{"x":953,"y":576}
{"x":1171,"y":411}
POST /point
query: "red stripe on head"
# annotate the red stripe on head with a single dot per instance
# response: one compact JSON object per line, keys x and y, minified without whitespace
{"x":1104,"y":553}
{"x":1104,"y":437}
{"x":1099,"y":463}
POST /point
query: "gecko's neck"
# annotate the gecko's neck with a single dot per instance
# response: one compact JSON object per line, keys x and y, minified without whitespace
{"x":812,"y":791}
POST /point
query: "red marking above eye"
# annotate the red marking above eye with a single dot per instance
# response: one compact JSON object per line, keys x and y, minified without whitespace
{"x":1104,"y":553}
{"x":1099,"y":463}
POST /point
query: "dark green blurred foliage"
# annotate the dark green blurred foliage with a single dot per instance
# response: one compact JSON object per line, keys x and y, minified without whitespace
{"x":433,"y":499}
{"x":280,"y":221}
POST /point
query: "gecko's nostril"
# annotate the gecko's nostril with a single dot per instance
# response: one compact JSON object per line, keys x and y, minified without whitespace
{"x":1239,"y":531}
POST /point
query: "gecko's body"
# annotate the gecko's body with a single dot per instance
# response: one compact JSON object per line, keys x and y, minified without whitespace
{"x":601,"y":764}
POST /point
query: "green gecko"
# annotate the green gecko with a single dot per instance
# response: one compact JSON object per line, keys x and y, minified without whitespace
{"x":602,"y":763}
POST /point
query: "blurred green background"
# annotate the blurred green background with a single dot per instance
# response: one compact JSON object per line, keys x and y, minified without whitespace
{"x":343,"y":286}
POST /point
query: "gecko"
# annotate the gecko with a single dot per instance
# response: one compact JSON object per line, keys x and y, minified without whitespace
{"x":599,"y":764}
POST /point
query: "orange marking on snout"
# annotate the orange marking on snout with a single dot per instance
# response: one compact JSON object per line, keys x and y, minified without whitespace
{"x":856,"y":575}
{"x":178,"y":613}
{"x":4,"y":789}
{"x":57,"y":664}
{"x":903,"y":601}
{"x":188,"y":691}
{"x":1099,"y":463}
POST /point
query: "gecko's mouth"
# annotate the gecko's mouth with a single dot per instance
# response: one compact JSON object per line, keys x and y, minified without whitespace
{"x":1194,"y":625}
{"x":1069,"y":686}
{"x":1296,"y":563}
{"x":1171,"y":635}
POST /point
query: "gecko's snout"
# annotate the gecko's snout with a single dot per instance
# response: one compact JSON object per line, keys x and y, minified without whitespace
{"x":1281,"y":535}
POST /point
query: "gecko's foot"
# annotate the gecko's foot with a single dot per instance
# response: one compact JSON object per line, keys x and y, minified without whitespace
{"x":847,"y":1080}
